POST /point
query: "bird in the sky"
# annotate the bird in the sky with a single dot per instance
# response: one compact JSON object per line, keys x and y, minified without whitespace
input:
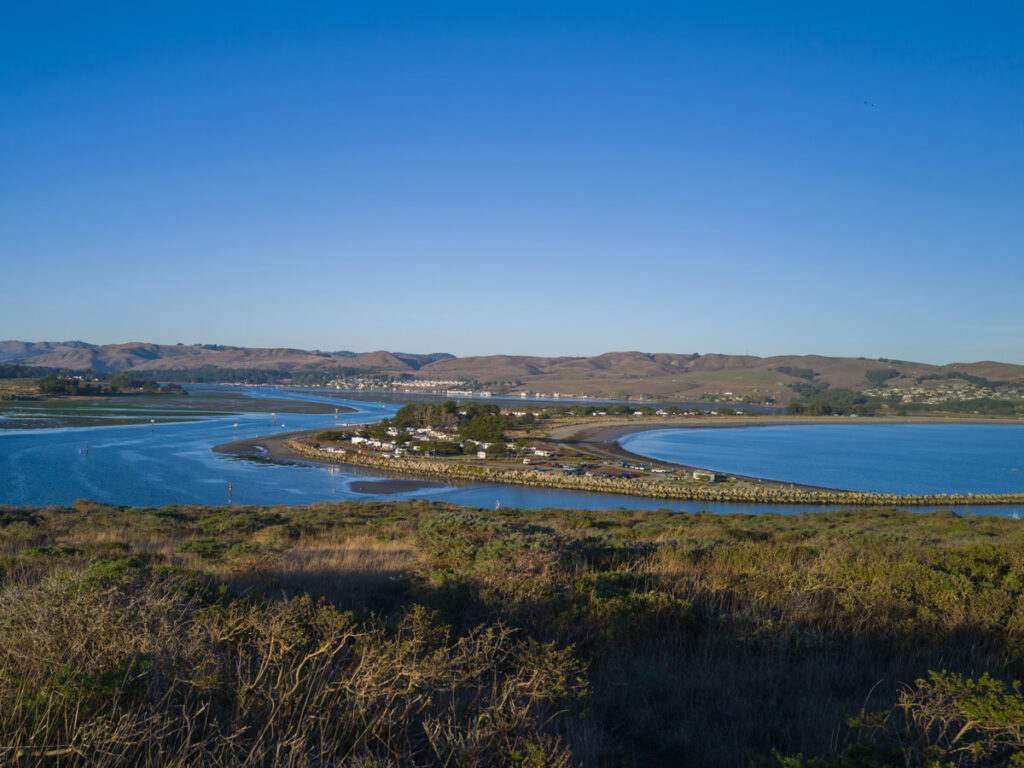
{"x":870,"y":103}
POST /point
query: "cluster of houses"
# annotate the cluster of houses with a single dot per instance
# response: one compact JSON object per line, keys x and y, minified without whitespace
{"x":529,"y":452}
{"x":408,"y":440}
{"x":403,"y":441}
{"x":660,"y":412}
{"x":376,"y":383}
{"x":728,"y":397}
{"x":434,"y":385}
{"x":557,"y":396}
{"x":401,"y":447}
{"x":949,"y":391}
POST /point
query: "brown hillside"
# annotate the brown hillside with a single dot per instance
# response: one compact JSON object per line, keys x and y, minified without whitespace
{"x":489,"y":368}
{"x":613,"y":363}
{"x":716,"y":362}
{"x":22,"y":350}
{"x":380,"y":360}
{"x":986,"y":368}
{"x":664,"y":375}
{"x":844,"y":372}
{"x":162,"y":357}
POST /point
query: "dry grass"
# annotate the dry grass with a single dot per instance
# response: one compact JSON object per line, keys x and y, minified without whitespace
{"x":18,"y":389}
{"x":419,"y":634}
{"x":352,"y":572}
{"x":162,"y":679}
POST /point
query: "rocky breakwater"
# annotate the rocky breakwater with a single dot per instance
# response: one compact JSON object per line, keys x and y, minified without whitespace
{"x":655,"y":489}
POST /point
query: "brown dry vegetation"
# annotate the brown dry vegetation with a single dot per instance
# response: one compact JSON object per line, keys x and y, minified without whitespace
{"x":19,"y":389}
{"x":663,"y":375}
{"x":412,"y":633}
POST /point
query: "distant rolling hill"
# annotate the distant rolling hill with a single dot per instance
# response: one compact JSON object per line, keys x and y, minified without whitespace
{"x":140,"y":356}
{"x":17,"y":351}
{"x":667,"y":375}
{"x":689,"y":376}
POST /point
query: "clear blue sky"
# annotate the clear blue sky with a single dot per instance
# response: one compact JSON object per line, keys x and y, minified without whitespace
{"x":525,"y":178}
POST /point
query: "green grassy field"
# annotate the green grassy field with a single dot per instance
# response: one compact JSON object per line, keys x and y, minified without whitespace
{"x":395,"y":634}
{"x":99,"y":412}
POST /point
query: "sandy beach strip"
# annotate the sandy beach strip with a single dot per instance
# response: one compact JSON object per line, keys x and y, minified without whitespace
{"x":272,"y":446}
{"x":267,"y":446}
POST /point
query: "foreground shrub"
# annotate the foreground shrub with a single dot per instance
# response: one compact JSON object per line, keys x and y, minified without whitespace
{"x":143,"y":636}
{"x":946,"y":720}
{"x":111,"y":673}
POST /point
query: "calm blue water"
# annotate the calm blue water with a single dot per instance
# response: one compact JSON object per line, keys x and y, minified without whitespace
{"x":896,"y":458}
{"x":173,"y":464}
{"x":138,"y":465}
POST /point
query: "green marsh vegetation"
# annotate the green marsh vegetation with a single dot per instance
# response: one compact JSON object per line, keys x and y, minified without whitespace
{"x":410,"y":633}
{"x":61,"y":398}
{"x":60,"y":401}
{"x":103,"y":411}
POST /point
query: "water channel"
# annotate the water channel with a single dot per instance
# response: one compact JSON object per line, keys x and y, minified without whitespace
{"x":172,"y":463}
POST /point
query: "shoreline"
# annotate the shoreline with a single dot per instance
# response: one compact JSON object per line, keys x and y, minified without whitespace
{"x":606,"y":430}
{"x":273,"y":448}
{"x":602,"y":439}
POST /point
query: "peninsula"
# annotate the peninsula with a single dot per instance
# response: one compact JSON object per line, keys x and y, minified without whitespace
{"x":482,"y":443}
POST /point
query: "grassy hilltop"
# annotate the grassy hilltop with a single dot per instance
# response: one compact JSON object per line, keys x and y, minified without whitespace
{"x":396,"y":634}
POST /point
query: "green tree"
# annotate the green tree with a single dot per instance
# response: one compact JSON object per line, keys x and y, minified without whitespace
{"x":497,"y":450}
{"x":877,"y":376}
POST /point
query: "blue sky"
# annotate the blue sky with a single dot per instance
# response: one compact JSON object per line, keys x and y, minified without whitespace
{"x":522,"y":178}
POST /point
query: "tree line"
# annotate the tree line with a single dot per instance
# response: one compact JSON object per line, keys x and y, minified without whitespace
{"x":116,"y":384}
{"x":834,"y":402}
{"x":482,"y":422}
